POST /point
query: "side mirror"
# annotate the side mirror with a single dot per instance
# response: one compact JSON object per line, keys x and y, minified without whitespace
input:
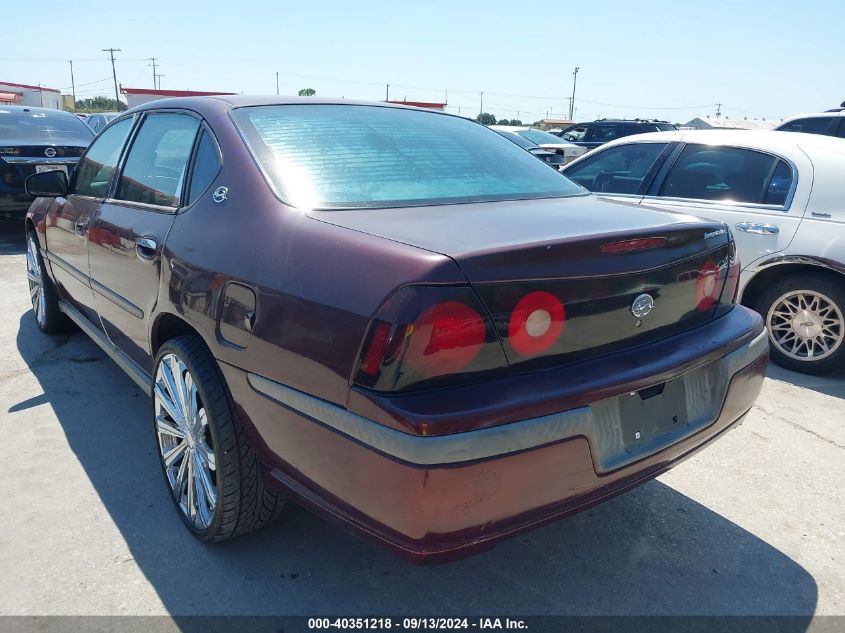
{"x":47,"y":184}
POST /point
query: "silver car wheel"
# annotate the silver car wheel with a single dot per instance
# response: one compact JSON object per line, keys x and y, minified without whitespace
{"x":184,"y":440}
{"x":36,"y":281}
{"x":805,"y":325}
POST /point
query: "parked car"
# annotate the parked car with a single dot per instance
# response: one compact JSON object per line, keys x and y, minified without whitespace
{"x":830,"y":123}
{"x":555,"y":160}
{"x":548,"y":142}
{"x":100,"y":120}
{"x":439,"y":346}
{"x":34,"y":140}
{"x":784,"y":198}
{"x":591,"y":135}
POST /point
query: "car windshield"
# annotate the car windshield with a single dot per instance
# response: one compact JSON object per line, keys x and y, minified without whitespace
{"x":340,"y":156}
{"x":519,"y":140}
{"x":42,"y":126}
{"x":540,"y":137}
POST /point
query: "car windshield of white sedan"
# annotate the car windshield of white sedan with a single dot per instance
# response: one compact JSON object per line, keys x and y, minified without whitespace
{"x":340,"y":156}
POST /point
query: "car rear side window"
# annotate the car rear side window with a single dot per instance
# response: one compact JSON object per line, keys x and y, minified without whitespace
{"x":158,"y":158}
{"x":619,"y":169}
{"x":206,"y":166}
{"x":330,"y":156}
{"x":94,"y":171}
{"x":779,"y":185}
{"x":810,"y":125}
{"x":705,"y":172}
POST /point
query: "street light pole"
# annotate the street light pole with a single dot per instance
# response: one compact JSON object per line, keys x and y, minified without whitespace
{"x":481,"y":105}
{"x":572,"y":100}
{"x":277,"y":82}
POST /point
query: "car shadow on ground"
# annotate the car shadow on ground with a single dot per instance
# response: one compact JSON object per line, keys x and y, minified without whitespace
{"x":651,"y":551}
{"x":832,"y":384}
{"x":12,"y":240}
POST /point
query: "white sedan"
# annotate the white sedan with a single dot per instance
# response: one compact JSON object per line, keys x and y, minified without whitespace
{"x":547,"y":141}
{"x":782,"y":194}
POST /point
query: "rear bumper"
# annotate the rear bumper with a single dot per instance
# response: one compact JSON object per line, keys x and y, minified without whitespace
{"x":439,"y":497}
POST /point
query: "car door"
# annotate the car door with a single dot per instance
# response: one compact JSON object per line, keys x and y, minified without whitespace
{"x":761,"y":196}
{"x":621,"y":171}
{"x":128,"y":233}
{"x":68,"y":221}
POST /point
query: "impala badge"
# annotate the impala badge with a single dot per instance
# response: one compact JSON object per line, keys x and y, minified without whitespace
{"x":220,"y":194}
{"x":642,"y":306}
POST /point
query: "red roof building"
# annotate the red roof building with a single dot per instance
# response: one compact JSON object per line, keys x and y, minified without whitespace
{"x":137,"y":96}
{"x":421,"y":104}
{"x":29,"y":95}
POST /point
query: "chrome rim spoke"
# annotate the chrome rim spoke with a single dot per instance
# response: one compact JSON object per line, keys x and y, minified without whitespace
{"x":184,"y":442}
{"x":806,"y":325}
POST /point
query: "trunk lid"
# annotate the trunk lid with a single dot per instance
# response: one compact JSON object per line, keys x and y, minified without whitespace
{"x":605,"y":274}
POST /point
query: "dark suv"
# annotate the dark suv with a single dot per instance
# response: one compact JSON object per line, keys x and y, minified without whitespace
{"x":605,"y":130}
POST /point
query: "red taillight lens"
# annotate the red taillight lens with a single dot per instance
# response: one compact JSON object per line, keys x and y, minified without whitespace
{"x":445,"y":339}
{"x":428,"y":333}
{"x":536,"y":323}
{"x":708,"y":286}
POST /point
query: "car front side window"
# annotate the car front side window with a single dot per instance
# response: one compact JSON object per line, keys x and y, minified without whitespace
{"x":705,"y":172}
{"x":158,"y":158}
{"x":95,"y":169}
{"x":619,"y":170}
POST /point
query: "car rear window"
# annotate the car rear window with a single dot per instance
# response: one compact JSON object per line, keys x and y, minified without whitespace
{"x":338,"y":156}
{"x":41,"y":126}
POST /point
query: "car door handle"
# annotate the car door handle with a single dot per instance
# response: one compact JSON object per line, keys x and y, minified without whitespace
{"x":146,"y":247}
{"x":759,"y":229}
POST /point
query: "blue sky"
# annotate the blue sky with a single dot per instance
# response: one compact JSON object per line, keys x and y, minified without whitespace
{"x":672,"y":60}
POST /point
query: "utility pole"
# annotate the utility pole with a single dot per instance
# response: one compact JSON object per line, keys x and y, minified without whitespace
{"x":387,"y":92}
{"x":153,"y":60}
{"x":481,"y":106}
{"x":111,"y":52}
{"x":72,"y":84}
{"x":158,"y":77}
{"x":572,"y":100}
{"x":718,"y":110}
{"x":277,"y":82}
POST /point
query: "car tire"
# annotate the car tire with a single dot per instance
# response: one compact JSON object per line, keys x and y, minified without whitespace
{"x":805,"y":317}
{"x":214,"y":478}
{"x":45,"y":302}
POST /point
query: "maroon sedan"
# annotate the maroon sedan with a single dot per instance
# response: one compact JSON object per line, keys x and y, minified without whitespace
{"x":395,"y":316}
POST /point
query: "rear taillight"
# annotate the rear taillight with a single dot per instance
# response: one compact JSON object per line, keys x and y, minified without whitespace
{"x":536,"y":323}
{"x":425,"y":335}
{"x":708,"y":286}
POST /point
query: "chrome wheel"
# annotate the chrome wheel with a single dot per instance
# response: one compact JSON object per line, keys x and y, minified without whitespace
{"x":184,"y":440}
{"x":36,"y":281}
{"x":805,"y":325}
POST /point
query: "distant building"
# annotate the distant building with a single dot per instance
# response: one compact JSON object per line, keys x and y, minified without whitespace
{"x":137,"y":96}
{"x":727,"y":123}
{"x":27,"y":95}
{"x":421,"y":104}
{"x":549,"y":124}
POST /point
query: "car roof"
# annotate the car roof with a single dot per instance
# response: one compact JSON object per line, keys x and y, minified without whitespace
{"x":14,"y":109}
{"x":773,"y":140}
